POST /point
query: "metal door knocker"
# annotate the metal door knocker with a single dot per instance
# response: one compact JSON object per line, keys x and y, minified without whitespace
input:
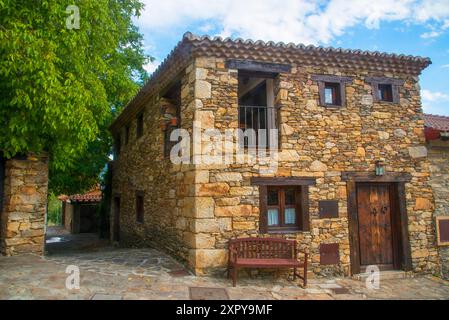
{"x":384,"y":210}
{"x":374,"y":212}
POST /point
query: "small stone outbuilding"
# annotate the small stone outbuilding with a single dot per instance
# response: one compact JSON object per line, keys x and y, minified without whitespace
{"x":351,"y":176}
{"x":80,"y":211}
{"x":23,"y":204}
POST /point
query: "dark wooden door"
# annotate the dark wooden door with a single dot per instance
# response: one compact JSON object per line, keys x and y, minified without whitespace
{"x":88,"y":218}
{"x":375,"y":225}
{"x":116,"y":231}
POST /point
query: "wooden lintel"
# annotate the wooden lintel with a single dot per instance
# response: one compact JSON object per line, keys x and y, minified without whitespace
{"x":385,"y":80}
{"x":371,"y":177}
{"x":283,"y":181}
{"x":258,"y":66}
{"x":330,"y":78}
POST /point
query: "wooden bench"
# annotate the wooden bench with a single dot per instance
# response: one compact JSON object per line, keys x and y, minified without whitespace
{"x":270,"y":253}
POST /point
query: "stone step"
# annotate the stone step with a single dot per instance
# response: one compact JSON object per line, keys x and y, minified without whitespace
{"x":384,"y":275}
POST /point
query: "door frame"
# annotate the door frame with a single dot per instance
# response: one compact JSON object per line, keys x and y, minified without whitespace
{"x":397,"y":184}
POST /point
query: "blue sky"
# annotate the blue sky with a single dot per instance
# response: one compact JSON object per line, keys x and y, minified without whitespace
{"x":416,"y":27}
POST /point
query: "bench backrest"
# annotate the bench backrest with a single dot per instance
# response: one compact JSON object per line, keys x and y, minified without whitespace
{"x":264,"y":248}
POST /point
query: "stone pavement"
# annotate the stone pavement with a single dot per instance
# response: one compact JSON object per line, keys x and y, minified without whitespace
{"x":110,"y":273}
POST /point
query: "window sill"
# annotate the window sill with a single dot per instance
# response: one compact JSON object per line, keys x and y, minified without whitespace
{"x":285,"y":231}
{"x":332,"y":106}
{"x":387,"y":102}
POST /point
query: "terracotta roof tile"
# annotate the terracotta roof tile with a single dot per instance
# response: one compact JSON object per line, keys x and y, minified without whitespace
{"x":436,"y":122}
{"x":203,"y":46}
{"x":91,"y":196}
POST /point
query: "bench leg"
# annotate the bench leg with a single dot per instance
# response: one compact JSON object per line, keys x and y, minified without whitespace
{"x":305,"y":275}
{"x":234,"y":276}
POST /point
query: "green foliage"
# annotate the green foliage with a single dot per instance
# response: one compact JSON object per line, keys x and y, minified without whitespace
{"x":54,"y":210}
{"x":60,"y":88}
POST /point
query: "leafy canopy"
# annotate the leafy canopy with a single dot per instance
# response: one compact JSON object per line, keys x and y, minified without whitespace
{"x":60,"y":87}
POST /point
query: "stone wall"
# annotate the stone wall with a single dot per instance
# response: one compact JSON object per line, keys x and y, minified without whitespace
{"x":24,"y":208}
{"x":439,"y":179}
{"x":193,"y":210}
{"x":169,"y":202}
{"x":315,"y":142}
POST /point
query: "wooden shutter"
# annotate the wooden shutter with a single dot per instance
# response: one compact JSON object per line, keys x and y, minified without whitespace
{"x":263,"y":224}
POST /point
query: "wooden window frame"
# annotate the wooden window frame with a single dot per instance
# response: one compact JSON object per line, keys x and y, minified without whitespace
{"x":301,"y":198}
{"x":140,"y":207}
{"x":385,"y":92}
{"x":139,"y":125}
{"x":335,"y":88}
{"x":282,"y":206}
{"x":394,"y":83}
{"x":326,"y":80}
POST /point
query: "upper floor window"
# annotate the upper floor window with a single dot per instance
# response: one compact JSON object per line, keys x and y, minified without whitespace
{"x":170,"y":103}
{"x":332,"y":94}
{"x":256,"y":110}
{"x":139,"y":125}
{"x":332,"y":90}
{"x":385,"y":89}
{"x":385,"y":92}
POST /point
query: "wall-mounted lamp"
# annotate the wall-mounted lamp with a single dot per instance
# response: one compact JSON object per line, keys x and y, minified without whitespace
{"x":380,"y":168}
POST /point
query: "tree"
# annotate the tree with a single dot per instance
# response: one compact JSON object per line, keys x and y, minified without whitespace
{"x":60,"y":87}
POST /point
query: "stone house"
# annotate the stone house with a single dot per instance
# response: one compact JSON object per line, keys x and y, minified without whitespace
{"x":79,"y":211}
{"x":23,"y":204}
{"x":437,"y":137}
{"x":351,"y":178}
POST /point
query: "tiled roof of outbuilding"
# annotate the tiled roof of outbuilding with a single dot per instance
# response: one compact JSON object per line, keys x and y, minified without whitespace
{"x":195,"y":46}
{"x":91,"y":196}
{"x":436,"y":122}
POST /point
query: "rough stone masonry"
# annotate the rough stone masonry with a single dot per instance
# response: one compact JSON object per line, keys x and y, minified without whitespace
{"x":192,"y":211}
{"x":22,"y":225}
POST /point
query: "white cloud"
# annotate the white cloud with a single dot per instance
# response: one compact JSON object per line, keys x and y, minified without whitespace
{"x":152,"y":66}
{"x":434,"y":96}
{"x":435,"y":102}
{"x":305,"y":21}
{"x":445,"y":66}
{"x":430,"y":34}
